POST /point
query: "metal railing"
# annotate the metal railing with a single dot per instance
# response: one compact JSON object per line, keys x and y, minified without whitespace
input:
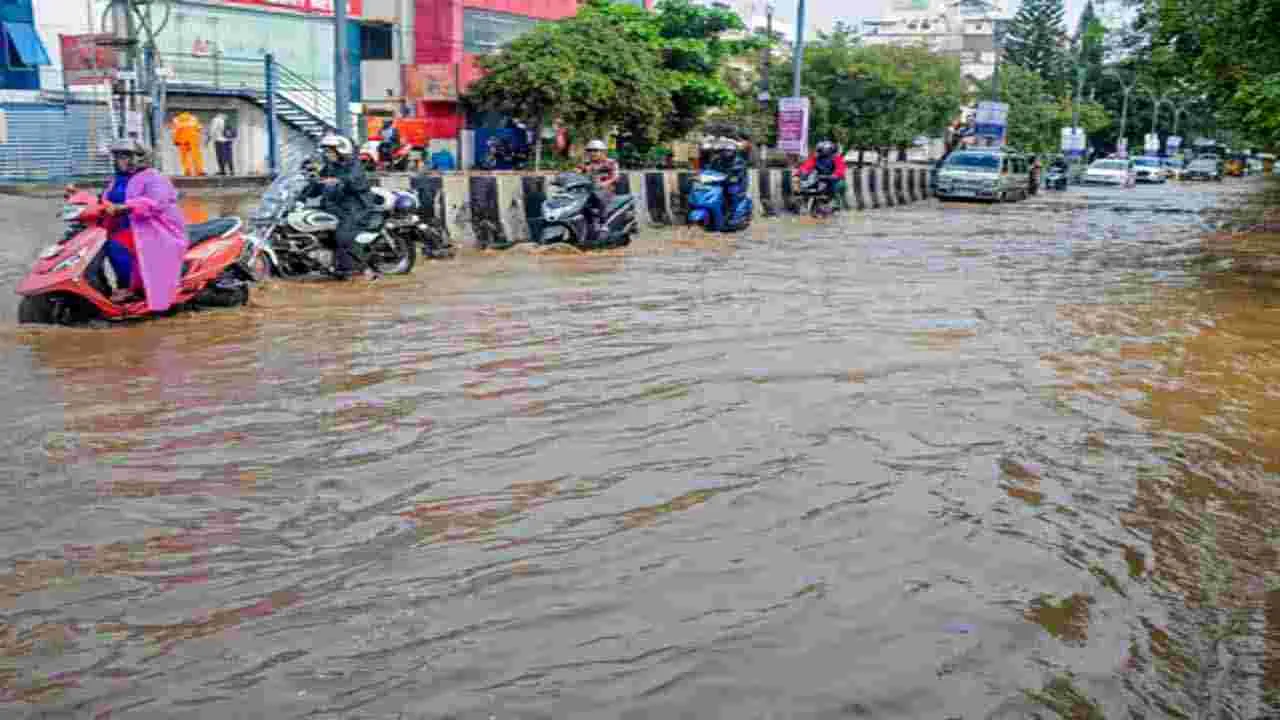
{"x":218,"y":72}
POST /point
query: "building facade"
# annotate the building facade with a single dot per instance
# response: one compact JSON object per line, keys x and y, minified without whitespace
{"x":961,"y":28}
{"x":451,"y":35}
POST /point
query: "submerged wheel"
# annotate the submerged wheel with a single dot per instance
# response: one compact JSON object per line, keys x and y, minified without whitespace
{"x":36,"y":310}
{"x":393,"y":255}
{"x":224,"y":297}
{"x":261,"y":268}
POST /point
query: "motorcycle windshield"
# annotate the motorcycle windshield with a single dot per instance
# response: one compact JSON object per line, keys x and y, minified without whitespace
{"x":280,"y":197}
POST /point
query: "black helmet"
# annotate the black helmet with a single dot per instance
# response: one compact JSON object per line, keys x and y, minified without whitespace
{"x":826,"y":148}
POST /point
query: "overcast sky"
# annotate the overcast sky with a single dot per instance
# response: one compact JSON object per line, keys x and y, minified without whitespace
{"x":825,"y":12}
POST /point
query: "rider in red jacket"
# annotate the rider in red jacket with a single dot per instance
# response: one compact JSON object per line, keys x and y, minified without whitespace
{"x":827,"y":160}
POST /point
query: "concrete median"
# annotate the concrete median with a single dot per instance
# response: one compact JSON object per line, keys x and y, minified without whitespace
{"x":499,"y":209}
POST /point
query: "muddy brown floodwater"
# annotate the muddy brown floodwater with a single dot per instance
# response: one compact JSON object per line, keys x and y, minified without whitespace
{"x":935,"y":462}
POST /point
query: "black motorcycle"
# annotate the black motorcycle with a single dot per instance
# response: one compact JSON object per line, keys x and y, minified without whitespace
{"x":1056,"y":178}
{"x":816,"y":195}
{"x":564,"y":215}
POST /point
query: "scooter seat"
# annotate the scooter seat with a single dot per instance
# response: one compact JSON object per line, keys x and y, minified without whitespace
{"x":200,"y":232}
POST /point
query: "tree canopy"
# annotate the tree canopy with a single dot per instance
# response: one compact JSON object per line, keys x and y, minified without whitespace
{"x":651,"y":74}
{"x":1036,"y":38}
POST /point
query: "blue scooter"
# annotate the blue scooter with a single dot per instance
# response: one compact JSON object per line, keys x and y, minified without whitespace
{"x":706,"y":203}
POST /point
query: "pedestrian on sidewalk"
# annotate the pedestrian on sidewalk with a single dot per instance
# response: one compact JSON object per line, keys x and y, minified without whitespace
{"x":186,"y":137}
{"x":223,"y":135}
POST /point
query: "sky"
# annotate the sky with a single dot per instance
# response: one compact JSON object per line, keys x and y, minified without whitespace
{"x":825,"y":12}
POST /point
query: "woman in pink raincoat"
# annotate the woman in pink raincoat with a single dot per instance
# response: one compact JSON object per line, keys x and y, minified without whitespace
{"x":148,"y":235}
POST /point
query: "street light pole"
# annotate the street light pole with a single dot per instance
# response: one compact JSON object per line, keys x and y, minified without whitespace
{"x":797,"y":60}
{"x":1127,"y":90}
{"x":341,"y":69}
{"x":765,"y":99}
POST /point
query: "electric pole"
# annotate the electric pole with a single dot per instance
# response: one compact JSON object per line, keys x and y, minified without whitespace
{"x":341,"y":69}
{"x":797,"y":61}
{"x":765,"y":99}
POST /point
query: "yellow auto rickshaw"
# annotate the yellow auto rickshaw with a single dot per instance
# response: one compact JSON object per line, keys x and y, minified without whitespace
{"x":1235,"y":165}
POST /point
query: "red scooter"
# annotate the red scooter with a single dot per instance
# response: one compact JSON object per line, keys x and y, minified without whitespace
{"x":68,"y":283}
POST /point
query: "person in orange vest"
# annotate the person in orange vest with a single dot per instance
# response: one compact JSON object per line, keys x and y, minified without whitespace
{"x":187,"y":132}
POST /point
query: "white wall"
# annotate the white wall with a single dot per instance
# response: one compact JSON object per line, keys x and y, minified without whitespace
{"x":54,"y":18}
{"x":250,"y":149}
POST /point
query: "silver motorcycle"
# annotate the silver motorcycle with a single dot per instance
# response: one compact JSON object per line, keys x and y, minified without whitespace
{"x":298,"y":238}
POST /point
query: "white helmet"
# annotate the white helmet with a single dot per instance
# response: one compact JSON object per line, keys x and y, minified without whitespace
{"x":341,"y":145}
{"x":597,"y":145}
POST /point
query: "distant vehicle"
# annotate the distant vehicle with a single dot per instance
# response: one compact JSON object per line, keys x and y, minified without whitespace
{"x":1173,"y":168}
{"x":1205,"y":168}
{"x":996,"y":174}
{"x":1110,"y":172}
{"x":1149,"y":170}
{"x":1253,"y":166}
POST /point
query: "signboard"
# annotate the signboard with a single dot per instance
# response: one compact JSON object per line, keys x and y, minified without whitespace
{"x":85,"y":61}
{"x":355,"y":8}
{"x":1073,"y":142}
{"x":992,"y":121}
{"x":430,"y":82}
{"x":793,"y":125}
{"x":1151,"y":143}
{"x":1173,"y":144}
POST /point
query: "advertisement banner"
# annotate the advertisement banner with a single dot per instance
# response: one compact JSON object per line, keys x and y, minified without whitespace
{"x":430,"y":82}
{"x":992,"y":120}
{"x":85,"y":61}
{"x":355,"y":8}
{"x":1151,"y":143}
{"x":1073,"y":142}
{"x":793,"y":125}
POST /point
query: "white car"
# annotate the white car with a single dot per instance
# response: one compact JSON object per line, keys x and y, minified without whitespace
{"x":1110,"y":172}
{"x":1150,"y":169}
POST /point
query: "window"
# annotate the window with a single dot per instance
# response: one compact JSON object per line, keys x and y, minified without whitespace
{"x":484,"y":31}
{"x":376,"y":42}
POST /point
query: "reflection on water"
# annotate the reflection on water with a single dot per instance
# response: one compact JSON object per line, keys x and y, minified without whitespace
{"x":857,"y":468}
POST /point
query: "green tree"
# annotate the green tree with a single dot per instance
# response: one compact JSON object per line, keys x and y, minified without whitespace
{"x":878,"y":97}
{"x":651,"y":75}
{"x":1036,"y":117}
{"x":582,"y":70}
{"x":1089,"y":48}
{"x":1036,"y":37}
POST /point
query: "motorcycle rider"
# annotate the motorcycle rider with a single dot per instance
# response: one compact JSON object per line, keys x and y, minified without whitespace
{"x":729,"y":161}
{"x":827,"y":161}
{"x":604,"y":171}
{"x":344,"y":187}
{"x":142,"y":220}
{"x":390,"y":142}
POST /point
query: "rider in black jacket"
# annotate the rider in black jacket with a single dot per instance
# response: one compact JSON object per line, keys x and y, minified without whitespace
{"x":342,"y":184}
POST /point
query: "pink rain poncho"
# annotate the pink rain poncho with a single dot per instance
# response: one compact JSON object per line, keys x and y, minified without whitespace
{"x":160,"y":235}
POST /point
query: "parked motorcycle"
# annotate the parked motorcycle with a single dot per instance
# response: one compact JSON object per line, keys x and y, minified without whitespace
{"x":502,"y":155}
{"x":816,"y":195}
{"x":405,"y":221}
{"x":69,"y":282}
{"x":1056,"y":179}
{"x":371,"y":157}
{"x":564,"y":217}
{"x":707,"y":204}
{"x":298,"y":238}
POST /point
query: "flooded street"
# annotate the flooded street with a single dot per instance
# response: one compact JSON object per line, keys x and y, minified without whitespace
{"x":941,"y":461}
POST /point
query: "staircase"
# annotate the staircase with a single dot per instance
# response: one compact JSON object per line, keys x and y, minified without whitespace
{"x":298,"y":102}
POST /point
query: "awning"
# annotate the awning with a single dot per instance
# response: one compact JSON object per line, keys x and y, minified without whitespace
{"x":26,"y":43}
